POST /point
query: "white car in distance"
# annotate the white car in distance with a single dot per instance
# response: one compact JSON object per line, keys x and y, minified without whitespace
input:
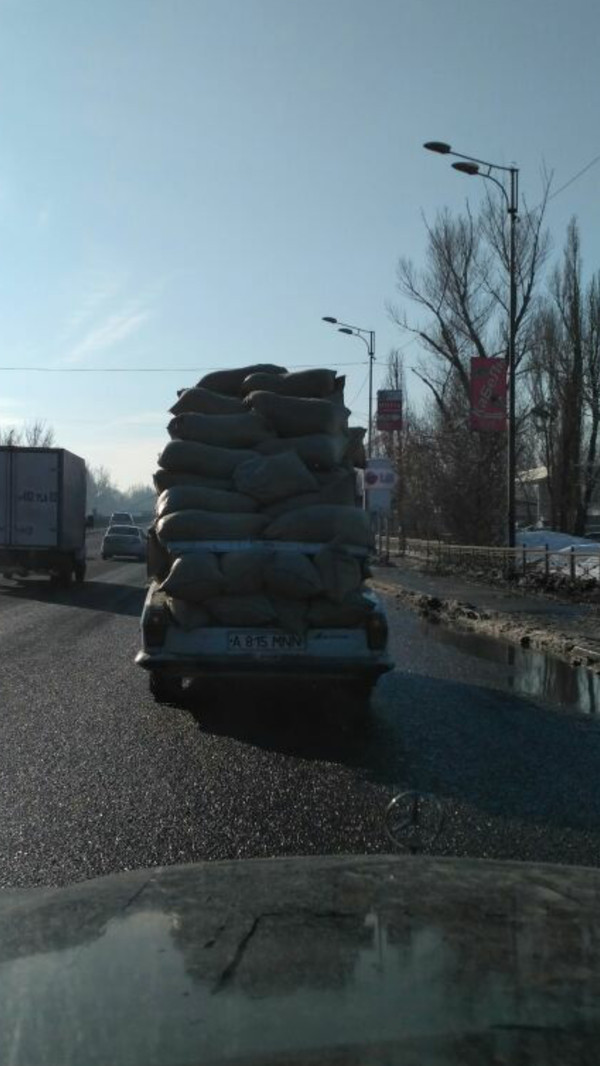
{"x":121,"y":518}
{"x":125,"y":542}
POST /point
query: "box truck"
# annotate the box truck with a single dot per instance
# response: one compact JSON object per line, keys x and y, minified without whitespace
{"x":42,"y":513}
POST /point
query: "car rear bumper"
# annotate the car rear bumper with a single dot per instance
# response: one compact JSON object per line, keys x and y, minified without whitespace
{"x":305,"y":668}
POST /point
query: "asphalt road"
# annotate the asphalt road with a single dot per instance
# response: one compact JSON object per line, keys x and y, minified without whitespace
{"x":96,"y":778}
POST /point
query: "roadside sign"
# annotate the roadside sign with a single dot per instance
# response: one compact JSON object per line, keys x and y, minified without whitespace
{"x":488,"y":395}
{"x":380,"y":500}
{"x":379,"y":480}
{"x":380,"y":474}
{"x":389,"y":410}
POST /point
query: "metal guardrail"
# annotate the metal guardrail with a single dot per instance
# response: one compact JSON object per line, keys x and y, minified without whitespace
{"x":576,"y":563}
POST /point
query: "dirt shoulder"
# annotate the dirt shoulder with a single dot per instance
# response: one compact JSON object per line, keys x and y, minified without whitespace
{"x":550,"y":623}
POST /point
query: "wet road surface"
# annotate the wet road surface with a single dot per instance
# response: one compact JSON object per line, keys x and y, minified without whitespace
{"x":96,"y":778}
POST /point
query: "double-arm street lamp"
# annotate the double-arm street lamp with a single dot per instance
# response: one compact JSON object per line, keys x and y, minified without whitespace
{"x":367,"y":336}
{"x":471,"y":166}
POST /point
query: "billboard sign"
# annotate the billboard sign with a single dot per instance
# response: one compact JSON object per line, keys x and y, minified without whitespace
{"x":488,"y":395}
{"x":389,"y":410}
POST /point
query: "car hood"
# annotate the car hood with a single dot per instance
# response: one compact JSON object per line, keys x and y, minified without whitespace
{"x":324,"y":960}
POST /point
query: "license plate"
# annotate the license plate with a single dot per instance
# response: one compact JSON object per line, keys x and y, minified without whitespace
{"x":264,"y":643}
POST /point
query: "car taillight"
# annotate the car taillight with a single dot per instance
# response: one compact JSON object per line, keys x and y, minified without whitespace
{"x":377,"y":631}
{"x":156,"y":621}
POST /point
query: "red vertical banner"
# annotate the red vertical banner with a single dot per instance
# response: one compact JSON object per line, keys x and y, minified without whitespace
{"x":389,"y":410}
{"x":488,"y":395}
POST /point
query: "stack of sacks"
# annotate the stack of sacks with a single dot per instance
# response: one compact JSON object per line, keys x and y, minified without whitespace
{"x":260,"y":454}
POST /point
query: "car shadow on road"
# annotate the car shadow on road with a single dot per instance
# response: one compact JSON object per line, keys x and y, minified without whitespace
{"x":91,"y":595}
{"x":303,"y":723}
{"x":502,"y":754}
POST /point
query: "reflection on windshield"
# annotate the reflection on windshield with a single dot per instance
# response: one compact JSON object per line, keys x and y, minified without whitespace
{"x":180,"y":971}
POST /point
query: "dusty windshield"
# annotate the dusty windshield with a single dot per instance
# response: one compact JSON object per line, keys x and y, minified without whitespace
{"x":310,"y":293}
{"x":123,"y":531}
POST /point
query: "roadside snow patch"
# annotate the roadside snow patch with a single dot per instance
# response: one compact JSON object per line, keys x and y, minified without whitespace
{"x":587,"y":552}
{"x":539,"y":538}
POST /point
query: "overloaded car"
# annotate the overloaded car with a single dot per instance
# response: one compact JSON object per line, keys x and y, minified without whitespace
{"x":346,"y":661}
{"x":265,"y":581}
{"x":123,"y":541}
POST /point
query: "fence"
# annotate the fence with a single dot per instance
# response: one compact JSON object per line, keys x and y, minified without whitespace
{"x":574,"y":563}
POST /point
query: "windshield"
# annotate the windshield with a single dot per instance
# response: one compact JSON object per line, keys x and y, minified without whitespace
{"x":310,"y":292}
{"x":123,"y":531}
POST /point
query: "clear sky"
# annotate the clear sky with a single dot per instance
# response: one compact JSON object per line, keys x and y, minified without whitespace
{"x":194,"y":183}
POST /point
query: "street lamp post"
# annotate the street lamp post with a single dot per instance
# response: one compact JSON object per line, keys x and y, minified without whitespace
{"x":367,"y":336}
{"x":470,"y":166}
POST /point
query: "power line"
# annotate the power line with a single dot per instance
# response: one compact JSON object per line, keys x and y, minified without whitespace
{"x":579,"y":174}
{"x":413,"y":340}
{"x":151,"y":369}
{"x":382,"y":366}
{"x":355,"y":398}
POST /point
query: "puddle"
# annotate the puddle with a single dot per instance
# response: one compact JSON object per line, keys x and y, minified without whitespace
{"x":530,"y":673}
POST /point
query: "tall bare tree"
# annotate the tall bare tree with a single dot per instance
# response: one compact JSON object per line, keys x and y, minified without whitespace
{"x":591,"y":469}
{"x":564,"y":384}
{"x":462,"y":294}
{"x":389,"y":444}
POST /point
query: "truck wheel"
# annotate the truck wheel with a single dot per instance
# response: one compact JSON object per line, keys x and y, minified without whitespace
{"x":61,"y":578}
{"x":64,"y":577}
{"x":79,"y":572}
{"x":165,"y":688}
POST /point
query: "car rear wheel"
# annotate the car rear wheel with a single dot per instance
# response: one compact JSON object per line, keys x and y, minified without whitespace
{"x":355,"y":700}
{"x":165,"y":688}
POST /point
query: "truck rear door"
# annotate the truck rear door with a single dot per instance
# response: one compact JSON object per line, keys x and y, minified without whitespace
{"x":35,"y":488}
